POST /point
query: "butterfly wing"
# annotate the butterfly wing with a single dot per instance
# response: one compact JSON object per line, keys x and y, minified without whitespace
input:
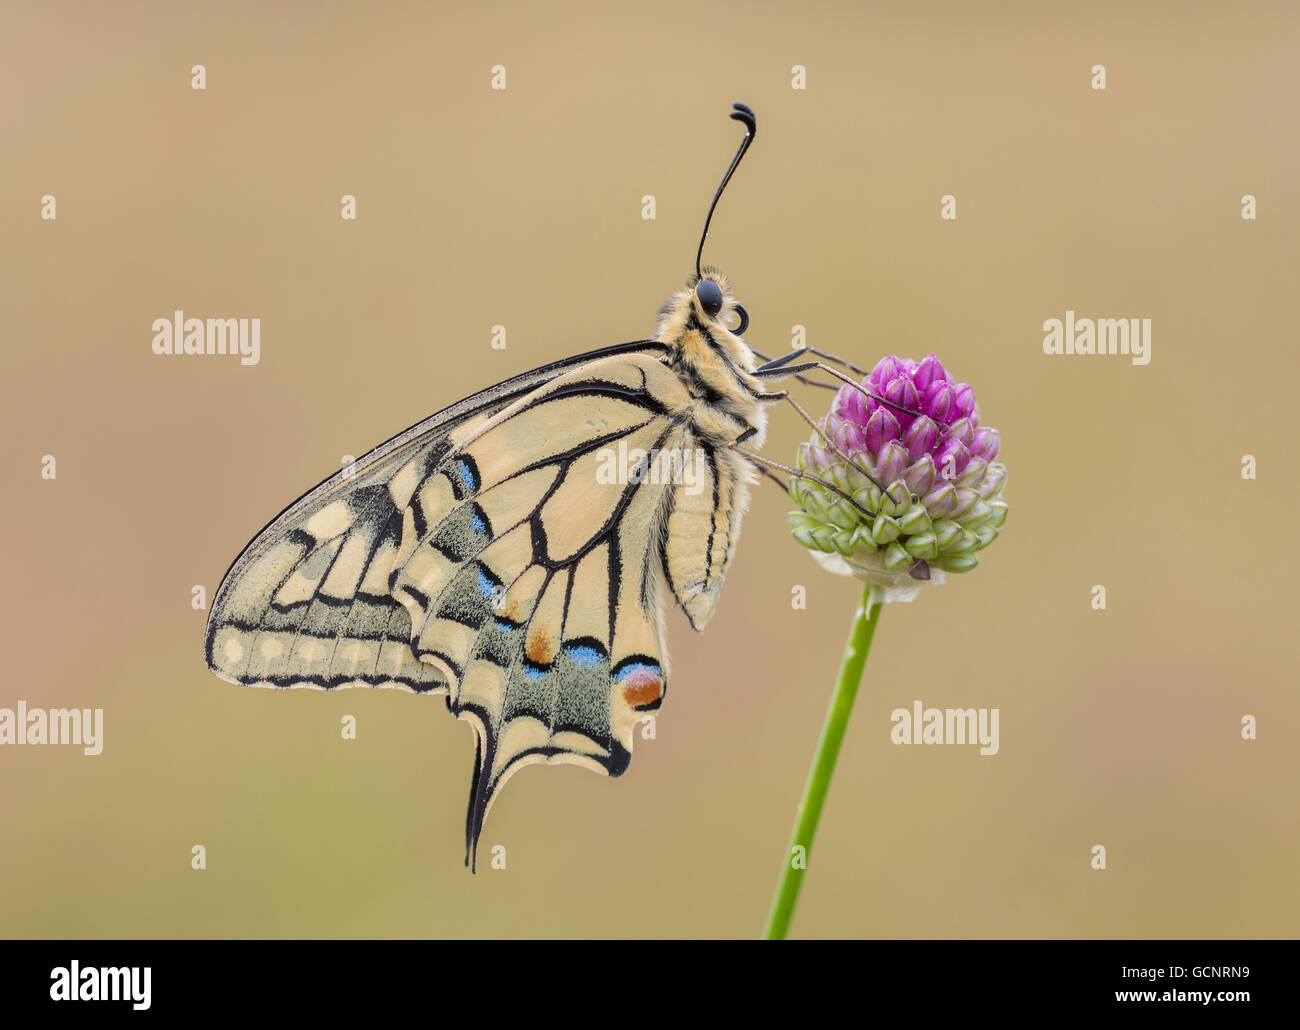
{"x":536,"y":588}
{"x":306,"y":604}
{"x":482,"y":554}
{"x":702,"y":529}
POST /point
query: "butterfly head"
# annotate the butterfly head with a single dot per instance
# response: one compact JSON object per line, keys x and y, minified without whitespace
{"x":707,"y":304}
{"x":707,"y":307}
{"x":702,"y":324}
{"x":714,"y":300}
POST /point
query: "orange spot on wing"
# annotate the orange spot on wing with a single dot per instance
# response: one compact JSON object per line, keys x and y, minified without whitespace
{"x":512,"y":611}
{"x":642,"y":688}
{"x":540,"y":648}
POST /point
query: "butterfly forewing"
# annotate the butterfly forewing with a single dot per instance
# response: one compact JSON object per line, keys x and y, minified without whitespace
{"x":318,"y":573}
{"x":308,"y":603}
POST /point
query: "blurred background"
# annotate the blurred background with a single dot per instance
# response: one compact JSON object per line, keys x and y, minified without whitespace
{"x":522,"y":208}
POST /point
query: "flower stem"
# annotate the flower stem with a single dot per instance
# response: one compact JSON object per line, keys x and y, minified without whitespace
{"x":819,"y":777}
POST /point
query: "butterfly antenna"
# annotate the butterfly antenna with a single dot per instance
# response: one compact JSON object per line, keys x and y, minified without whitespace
{"x":745,"y":116}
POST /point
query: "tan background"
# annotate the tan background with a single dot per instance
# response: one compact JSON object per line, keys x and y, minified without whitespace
{"x":523,"y":208}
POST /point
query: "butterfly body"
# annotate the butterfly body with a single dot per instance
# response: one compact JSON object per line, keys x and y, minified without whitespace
{"x":478,"y":555}
{"x":488,"y":555}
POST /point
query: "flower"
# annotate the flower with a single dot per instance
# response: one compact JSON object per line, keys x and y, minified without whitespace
{"x":942,"y":500}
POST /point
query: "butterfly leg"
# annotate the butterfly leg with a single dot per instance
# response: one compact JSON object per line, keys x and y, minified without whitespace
{"x":842,"y":362}
{"x":799,"y":352}
{"x":802,"y":379}
{"x":785,"y":487}
{"x":784,"y":395}
{"x":795,"y":473}
{"x":778,"y":370}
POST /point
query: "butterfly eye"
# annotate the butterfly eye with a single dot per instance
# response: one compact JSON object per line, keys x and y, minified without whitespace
{"x":710,"y":296}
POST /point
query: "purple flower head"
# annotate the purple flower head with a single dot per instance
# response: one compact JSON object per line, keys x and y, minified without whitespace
{"x":904,"y":478}
{"x":945,"y":412}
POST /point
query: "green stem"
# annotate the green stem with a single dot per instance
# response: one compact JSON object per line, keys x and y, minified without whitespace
{"x":819,"y":778}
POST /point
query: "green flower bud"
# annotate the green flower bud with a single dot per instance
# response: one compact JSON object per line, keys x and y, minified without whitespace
{"x":944,"y":485}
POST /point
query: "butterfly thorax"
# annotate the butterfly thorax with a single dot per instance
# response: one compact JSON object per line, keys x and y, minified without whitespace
{"x":714,"y":364}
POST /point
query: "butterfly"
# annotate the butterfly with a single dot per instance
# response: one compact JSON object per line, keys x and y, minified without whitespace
{"x":482,"y":555}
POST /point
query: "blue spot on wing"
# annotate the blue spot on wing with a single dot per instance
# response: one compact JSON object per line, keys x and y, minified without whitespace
{"x":467,"y":477}
{"x":535,"y":672}
{"x":479,"y":525}
{"x":635,"y":667}
{"x":485,"y":586}
{"x":584,"y":655}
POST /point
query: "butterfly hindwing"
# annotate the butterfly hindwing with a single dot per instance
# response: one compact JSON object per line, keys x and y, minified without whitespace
{"x":535,"y":590}
{"x":702,"y":529}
